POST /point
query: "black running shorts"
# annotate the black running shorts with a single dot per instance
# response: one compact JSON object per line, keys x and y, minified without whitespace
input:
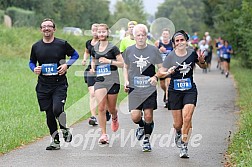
{"x":141,"y":103}
{"x":177,"y":99}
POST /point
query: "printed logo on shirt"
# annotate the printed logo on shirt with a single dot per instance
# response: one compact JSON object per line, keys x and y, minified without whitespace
{"x":141,"y":62}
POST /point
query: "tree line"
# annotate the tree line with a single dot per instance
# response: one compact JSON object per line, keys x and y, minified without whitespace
{"x":230,"y":19}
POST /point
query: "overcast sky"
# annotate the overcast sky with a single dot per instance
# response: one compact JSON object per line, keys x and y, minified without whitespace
{"x":149,"y":5}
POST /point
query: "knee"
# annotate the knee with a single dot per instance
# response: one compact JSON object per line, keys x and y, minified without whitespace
{"x":92,"y":95}
{"x":148,"y":118}
{"x":57,"y":110}
{"x":136,"y":117}
{"x":177,"y":125}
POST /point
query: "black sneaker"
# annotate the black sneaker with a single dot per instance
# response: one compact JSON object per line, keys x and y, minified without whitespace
{"x":67,"y":135}
{"x":166,"y":104}
{"x":108,"y":115}
{"x":184,"y":151}
{"x":54,"y":145}
{"x":92,"y":121}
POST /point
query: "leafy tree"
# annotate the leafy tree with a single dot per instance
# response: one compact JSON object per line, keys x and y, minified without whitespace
{"x":79,"y":13}
{"x":186,"y":14}
{"x":130,"y":9}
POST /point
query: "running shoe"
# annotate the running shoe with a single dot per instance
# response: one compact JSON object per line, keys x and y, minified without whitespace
{"x":146,"y":145}
{"x":227,"y":74}
{"x":108,"y":115}
{"x":115,"y":124}
{"x":184,"y":151}
{"x":67,"y":135}
{"x":54,"y":145}
{"x":92,"y":121}
{"x":222,"y":71}
{"x":166,"y":104}
{"x":140,"y":133}
{"x":103,"y":139}
{"x":178,"y":139}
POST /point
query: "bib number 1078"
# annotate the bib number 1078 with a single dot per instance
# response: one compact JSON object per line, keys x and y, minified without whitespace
{"x":182,"y":84}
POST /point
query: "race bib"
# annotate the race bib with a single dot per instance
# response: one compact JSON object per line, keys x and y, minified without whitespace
{"x":182,"y":84}
{"x":163,"y":55}
{"x":49,"y":69}
{"x":142,"y":82}
{"x":225,"y":56}
{"x":103,"y":70}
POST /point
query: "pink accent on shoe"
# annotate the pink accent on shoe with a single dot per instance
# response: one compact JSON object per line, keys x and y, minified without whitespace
{"x":114,"y":124}
{"x":103,"y":139}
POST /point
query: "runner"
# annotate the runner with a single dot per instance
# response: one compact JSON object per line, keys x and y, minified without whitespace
{"x":129,"y":39}
{"x":165,"y":47}
{"x":218,"y":45}
{"x":226,"y":52}
{"x":182,"y":89}
{"x":106,"y":60}
{"x":204,"y":48}
{"x":89,"y":78}
{"x":140,"y":83}
{"x":50,"y":53}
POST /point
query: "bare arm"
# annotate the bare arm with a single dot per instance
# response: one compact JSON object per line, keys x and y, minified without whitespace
{"x":126,"y":77}
{"x":85,"y":57}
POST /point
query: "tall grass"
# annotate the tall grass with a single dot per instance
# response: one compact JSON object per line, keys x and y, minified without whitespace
{"x":240,"y":149}
{"x":21,"y":121}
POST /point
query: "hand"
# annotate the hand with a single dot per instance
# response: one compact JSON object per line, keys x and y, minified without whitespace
{"x":62,"y":69}
{"x":104,"y":60}
{"x":126,"y":86}
{"x":92,"y":71}
{"x":162,"y":49}
{"x":83,"y":62}
{"x":201,"y":57}
{"x":37,"y":70}
{"x":171,"y":70}
{"x":153,"y":81}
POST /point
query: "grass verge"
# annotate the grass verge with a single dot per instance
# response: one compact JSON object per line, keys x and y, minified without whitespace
{"x":240,"y":149}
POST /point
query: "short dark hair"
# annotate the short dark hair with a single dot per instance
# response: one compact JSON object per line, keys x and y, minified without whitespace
{"x":48,"y":19}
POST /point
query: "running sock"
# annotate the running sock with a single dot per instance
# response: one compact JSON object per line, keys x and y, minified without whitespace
{"x":178,"y":131}
{"x":184,"y":143}
{"x":148,"y":128}
{"x":56,"y":137}
{"x":140,"y":123}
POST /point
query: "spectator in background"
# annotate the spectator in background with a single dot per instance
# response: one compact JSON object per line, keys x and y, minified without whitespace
{"x":208,"y":37}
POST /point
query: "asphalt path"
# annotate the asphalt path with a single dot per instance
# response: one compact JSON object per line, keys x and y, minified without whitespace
{"x":213,"y":121}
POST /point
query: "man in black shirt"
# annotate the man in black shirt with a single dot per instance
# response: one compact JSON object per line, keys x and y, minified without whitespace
{"x":50,"y":54}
